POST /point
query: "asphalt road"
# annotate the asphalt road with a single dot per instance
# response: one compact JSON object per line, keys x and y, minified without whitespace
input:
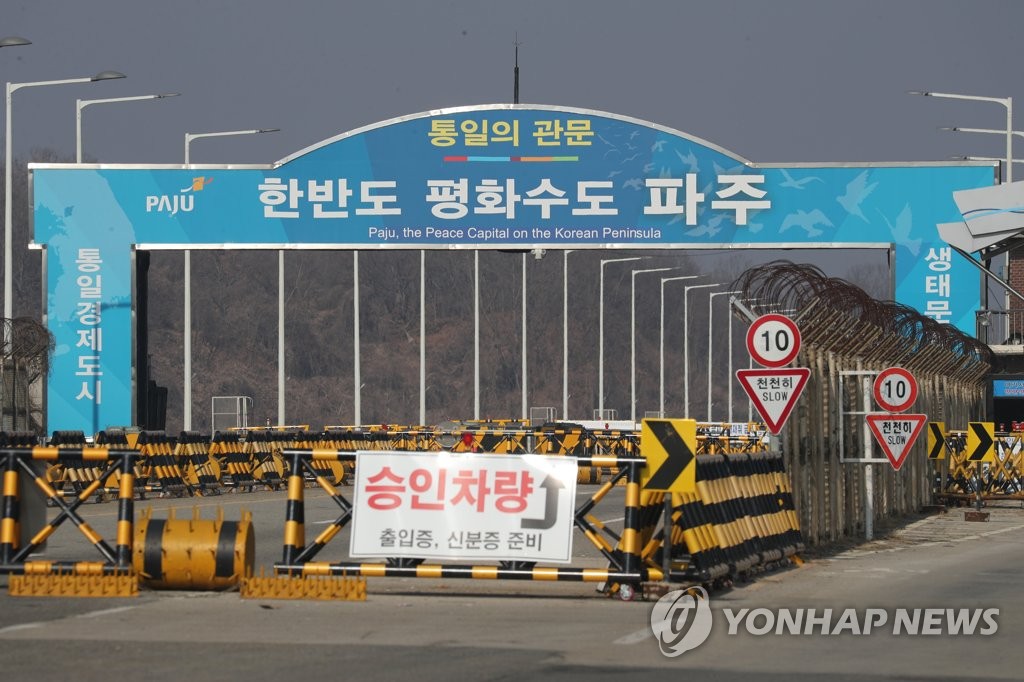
{"x":442,"y":630}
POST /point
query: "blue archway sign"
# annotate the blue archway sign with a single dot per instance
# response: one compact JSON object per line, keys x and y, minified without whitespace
{"x":498,"y":176}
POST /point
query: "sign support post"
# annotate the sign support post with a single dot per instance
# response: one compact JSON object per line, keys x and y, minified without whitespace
{"x":869,"y":474}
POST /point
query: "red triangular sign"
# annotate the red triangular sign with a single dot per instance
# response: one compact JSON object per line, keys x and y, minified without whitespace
{"x":896,"y":434}
{"x":774,"y":392}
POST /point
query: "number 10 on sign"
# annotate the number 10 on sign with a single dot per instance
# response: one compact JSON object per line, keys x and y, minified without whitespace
{"x":773,"y":340}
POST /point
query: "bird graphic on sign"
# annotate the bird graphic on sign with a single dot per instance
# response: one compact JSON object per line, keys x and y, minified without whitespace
{"x":635,"y":183}
{"x":807,"y":221}
{"x":901,"y":230}
{"x":797,"y":184}
{"x":690,"y":160}
{"x":711,"y":228}
{"x":857,"y":191}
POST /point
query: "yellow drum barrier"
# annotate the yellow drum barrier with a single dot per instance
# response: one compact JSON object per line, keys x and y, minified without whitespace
{"x":193,"y":554}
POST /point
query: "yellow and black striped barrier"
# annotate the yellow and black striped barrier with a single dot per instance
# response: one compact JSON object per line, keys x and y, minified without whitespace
{"x":740,"y":518}
{"x":997,"y":475}
{"x":236,"y":463}
{"x":66,"y":578}
{"x":201,"y":472}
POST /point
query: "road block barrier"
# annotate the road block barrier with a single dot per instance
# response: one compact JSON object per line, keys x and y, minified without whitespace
{"x":236,"y":463}
{"x":201,"y":472}
{"x":58,"y":578}
{"x":195,"y":553}
{"x":740,"y":518}
{"x":160,"y":464}
{"x":298,"y":555}
{"x":265,"y":458}
{"x":999,"y":478}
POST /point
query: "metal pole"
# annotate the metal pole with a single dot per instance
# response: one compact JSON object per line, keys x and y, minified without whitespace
{"x":711,"y":312}
{"x":565,"y":333}
{"x":1009,"y":139}
{"x":187,"y":389}
{"x":632,"y":339}
{"x":357,"y":416}
{"x":661,"y":354}
{"x":280,"y":339}
{"x":661,"y":382}
{"x":83,"y":103}
{"x":600,"y":334}
{"x":869,"y":481}
{"x":686,"y":345}
{"x":524,"y":406}
{"x":187,"y":383}
{"x":8,"y":184}
{"x":8,"y":227}
{"x":476,"y":334}
{"x":730,"y":376}
{"x":423,"y":343}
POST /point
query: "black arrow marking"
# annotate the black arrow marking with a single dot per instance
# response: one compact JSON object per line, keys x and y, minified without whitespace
{"x":985,"y":442}
{"x":552,"y":487}
{"x":940,"y":440}
{"x":679,"y":455}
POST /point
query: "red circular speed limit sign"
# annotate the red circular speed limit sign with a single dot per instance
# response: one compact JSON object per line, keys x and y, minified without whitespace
{"x":895,"y":389}
{"x":773,"y":340}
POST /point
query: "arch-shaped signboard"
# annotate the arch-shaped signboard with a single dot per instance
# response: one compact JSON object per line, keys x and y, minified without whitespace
{"x":498,"y":176}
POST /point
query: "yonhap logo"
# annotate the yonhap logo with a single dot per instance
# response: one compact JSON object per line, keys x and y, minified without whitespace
{"x":681,"y":620}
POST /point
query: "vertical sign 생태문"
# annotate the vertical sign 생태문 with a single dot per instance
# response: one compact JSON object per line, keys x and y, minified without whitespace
{"x":464,"y":506}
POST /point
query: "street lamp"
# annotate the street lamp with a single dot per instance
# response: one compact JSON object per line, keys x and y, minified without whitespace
{"x":661,"y":383}
{"x":686,"y":344}
{"x":1005,"y":101}
{"x":8,"y":215}
{"x":83,"y":103}
{"x":187,"y":390}
{"x":632,"y":338}
{"x":711,"y":312}
{"x":600,"y":333}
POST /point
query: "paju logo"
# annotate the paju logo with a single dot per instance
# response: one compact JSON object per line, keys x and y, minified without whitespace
{"x":183,"y":201}
{"x":681,"y":620}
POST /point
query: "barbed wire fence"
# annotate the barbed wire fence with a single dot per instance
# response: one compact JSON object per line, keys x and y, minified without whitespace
{"x":844,"y":329}
{"x":25,"y":362}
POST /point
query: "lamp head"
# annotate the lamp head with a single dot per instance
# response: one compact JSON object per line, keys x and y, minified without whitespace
{"x":107,"y":75}
{"x":13,"y":41}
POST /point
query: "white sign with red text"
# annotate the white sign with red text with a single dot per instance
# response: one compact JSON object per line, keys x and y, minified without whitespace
{"x":463,"y":506}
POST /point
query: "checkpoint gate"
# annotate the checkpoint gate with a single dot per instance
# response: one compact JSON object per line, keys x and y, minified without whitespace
{"x":499,"y":176}
{"x":740,"y":519}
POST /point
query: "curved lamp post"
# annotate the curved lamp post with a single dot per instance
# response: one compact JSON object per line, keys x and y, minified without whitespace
{"x":600,"y":333}
{"x":632,"y":338}
{"x":686,"y":344}
{"x":711,"y":312}
{"x":1005,"y":101}
{"x":8,"y":151}
{"x":187,"y":389}
{"x":83,"y":103}
{"x":661,"y":389}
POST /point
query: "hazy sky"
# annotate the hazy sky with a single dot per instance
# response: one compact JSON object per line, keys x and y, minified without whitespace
{"x":773,"y":81}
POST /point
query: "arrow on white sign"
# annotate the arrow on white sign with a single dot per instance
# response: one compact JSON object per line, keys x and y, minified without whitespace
{"x":774,"y":392}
